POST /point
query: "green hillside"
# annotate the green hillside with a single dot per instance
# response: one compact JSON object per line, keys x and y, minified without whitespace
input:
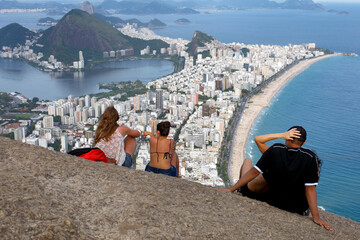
{"x":199,"y":39}
{"x":14,"y":34}
{"x":78,"y":30}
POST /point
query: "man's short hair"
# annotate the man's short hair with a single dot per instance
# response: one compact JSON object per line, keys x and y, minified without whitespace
{"x":302,"y":137}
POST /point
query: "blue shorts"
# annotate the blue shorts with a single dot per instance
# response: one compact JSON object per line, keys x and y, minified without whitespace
{"x":170,"y":172}
{"x":128,"y":161}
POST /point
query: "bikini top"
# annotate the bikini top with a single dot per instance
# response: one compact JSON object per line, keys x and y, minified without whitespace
{"x":166,"y":154}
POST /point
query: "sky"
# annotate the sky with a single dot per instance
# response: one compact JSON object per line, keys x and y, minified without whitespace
{"x":97,"y":1}
{"x":338,"y":1}
{"x":332,"y":1}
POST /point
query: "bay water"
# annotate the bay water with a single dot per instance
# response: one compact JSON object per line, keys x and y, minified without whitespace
{"x":20,"y":77}
{"x":324,"y":98}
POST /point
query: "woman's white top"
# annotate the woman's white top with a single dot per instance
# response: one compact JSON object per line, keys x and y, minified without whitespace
{"x":114,"y":148}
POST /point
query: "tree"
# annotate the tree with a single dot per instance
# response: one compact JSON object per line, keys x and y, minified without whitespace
{"x":56,"y":145}
{"x":245,"y":91}
{"x":245,"y":51}
{"x":10,"y":135}
{"x":57,"y":119}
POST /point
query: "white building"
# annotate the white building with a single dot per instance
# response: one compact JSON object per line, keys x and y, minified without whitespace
{"x":43,"y":142}
{"x":20,"y":133}
{"x":48,"y":122}
{"x":64,"y":143}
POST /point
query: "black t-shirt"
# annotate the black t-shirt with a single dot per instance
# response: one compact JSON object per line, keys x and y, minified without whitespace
{"x":288,"y":171}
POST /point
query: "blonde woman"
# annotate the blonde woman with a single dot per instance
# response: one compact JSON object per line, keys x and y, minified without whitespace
{"x":117,"y":142}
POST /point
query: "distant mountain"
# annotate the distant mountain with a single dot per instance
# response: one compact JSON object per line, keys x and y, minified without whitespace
{"x":78,"y":30}
{"x":198,"y":40}
{"x":50,"y":6}
{"x":14,"y":34}
{"x":47,"y":21}
{"x":118,"y":22}
{"x":182,"y":21}
{"x":88,"y":7}
{"x":249,"y":4}
{"x":338,"y":12}
{"x":302,"y":4}
{"x":138,"y":7}
{"x":156,"y":23}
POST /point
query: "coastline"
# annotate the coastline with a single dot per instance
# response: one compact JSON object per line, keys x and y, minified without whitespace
{"x":254,"y":107}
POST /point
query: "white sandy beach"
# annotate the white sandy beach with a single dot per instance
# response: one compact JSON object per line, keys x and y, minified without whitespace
{"x":256,"y":104}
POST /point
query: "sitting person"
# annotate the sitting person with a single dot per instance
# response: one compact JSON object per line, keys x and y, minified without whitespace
{"x":163,"y":158}
{"x":117,"y":142}
{"x":285,"y":176}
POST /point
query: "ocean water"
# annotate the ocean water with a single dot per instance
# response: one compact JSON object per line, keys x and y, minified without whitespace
{"x":275,"y":27}
{"x":28,"y":20}
{"x":324,"y":98}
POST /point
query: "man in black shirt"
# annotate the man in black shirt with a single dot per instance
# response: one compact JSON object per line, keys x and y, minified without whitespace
{"x":285,"y":176}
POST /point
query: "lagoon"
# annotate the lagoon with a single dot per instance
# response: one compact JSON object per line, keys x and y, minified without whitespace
{"x":18,"y":76}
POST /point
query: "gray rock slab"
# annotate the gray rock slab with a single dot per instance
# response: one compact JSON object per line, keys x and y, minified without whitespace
{"x":50,"y":195}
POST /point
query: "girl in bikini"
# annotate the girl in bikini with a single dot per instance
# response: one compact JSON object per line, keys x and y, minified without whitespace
{"x":163,"y":158}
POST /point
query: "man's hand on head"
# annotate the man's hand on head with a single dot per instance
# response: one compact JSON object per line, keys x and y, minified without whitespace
{"x":291,"y":134}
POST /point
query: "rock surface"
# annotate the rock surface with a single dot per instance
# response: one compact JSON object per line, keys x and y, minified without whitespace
{"x":50,"y":195}
{"x":87,"y":7}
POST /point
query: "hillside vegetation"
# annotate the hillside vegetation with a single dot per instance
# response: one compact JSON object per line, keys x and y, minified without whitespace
{"x":14,"y":34}
{"x":199,"y":39}
{"x":78,"y":30}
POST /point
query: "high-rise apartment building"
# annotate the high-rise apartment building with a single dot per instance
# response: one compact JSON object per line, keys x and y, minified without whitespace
{"x":52,"y":110}
{"x":218,"y":85}
{"x":81,"y":102}
{"x":64,"y":143}
{"x":93,"y":101}
{"x":77,"y":115}
{"x":81,"y":60}
{"x":159,"y":100}
{"x":136,"y":101}
{"x":97,"y":110}
{"x":194,"y":98}
{"x":20,"y":133}
{"x":207,"y":110}
{"x":91,"y":112}
{"x":60,"y":111}
{"x":87,"y":101}
{"x":153,"y":125}
{"x":84,"y":115}
{"x":48,"y":122}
